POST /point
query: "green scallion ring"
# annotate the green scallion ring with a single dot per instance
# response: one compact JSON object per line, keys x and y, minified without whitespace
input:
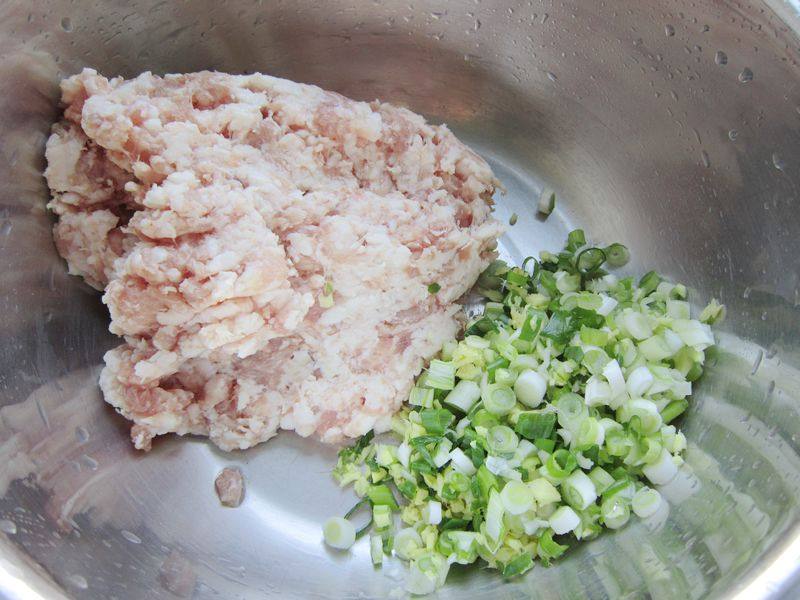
{"x":617,"y":255}
{"x":589,"y":260}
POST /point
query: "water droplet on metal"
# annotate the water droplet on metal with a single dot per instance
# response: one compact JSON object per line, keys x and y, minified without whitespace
{"x":704,"y":158}
{"x":89,"y":462}
{"x":8,"y":526}
{"x":131,"y":537}
{"x":81,"y":434}
{"x":79,"y":581}
{"x":551,"y":76}
{"x":778,"y":161}
{"x":669,"y":30}
{"x":733,"y":134}
{"x":746,"y":76}
{"x":721,"y":58}
{"x":6,"y":228}
{"x":757,"y":362}
{"x":66,"y":24}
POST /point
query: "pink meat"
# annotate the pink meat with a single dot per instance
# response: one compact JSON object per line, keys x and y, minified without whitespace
{"x":214,"y":210}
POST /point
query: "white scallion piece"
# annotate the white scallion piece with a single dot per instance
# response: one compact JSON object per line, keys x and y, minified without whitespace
{"x":517,"y":497}
{"x":646,"y":502}
{"x":530,"y":388}
{"x":406,"y":542}
{"x":693,"y":333}
{"x":547,"y":201}
{"x":432,"y":513}
{"x":462,"y":463}
{"x":404,"y":454}
{"x":442,"y":456}
{"x":376,"y":549}
{"x":339,"y":533}
{"x":578,"y":490}
{"x":608,"y":304}
{"x":613,"y":374}
{"x":639,"y":381}
{"x":463,"y":396}
{"x":597,"y":393}
{"x":564,"y":520}
{"x":662,"y":471}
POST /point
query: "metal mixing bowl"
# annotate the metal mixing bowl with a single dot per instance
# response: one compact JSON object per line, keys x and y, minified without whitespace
{"x":673,"y":127}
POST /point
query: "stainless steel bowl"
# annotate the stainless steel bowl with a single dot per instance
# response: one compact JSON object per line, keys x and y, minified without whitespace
{"x":671,"y":126}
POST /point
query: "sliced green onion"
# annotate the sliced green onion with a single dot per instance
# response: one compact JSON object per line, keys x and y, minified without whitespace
{"x":339,"y":533}
{"x":546,"y":445}
{"x":427,"y":573}
{"x":486,"y":481}
{"x":406,"y":542}
{"x":597,"y":392}
{"x":463,"y":396}
{"x":376,"y":549}
{"x":432,"y":513}
{"x":677,"y":309}
{"x":635,"y":323}
{"x":571,"y":410}
{"x":547,"y":201}
{"x":599,"y":367}
{"x":517,"y":497}
{"x":617,"y":255}
{"x":544,"y":492}
{"x":663,"y":470}
{"x":462,"y":463}
{"x":645,"y":502}
{"x":590,"y":433}
{"x":601,"y":478}
{"x":560,"y":464}
{"x":494,"y":517}
{"x":649,"y":282}
{"x":518,"y":565}
{"x":639,"y":381}
{"x":436,"y":421}
{"x":673,"y":410}
{"x":421,"y":397}
{"x":589,"y":260}
{"x":615,"y":512}
{"x":578,"y":491}
{"x":616,"y":380}
{"x":434,"y":288}
{"x":713,"y":313}
{"x":576,"y":239}
{"x":499,"y":399}
{"x":532,"y":425}
{"x":548,"y":548}
{"x":381,"y":495}
{"x":530,"y":388}
{"x":564,"y":520}
{"x":593,"y":337}
{"x":502,"y":441}
{"x":441,"y":375}
{"x":693,"y":333}
{"x":382,"y":516}
{"x":655,"y":348}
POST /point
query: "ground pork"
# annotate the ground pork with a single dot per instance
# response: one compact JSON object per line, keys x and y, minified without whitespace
{"x":215,"y":211}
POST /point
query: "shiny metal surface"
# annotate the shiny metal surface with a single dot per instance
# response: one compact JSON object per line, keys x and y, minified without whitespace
{"x":671,"y":126}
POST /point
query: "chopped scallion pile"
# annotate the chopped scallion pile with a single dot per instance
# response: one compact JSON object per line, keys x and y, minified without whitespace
{"x":548,"y":422}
